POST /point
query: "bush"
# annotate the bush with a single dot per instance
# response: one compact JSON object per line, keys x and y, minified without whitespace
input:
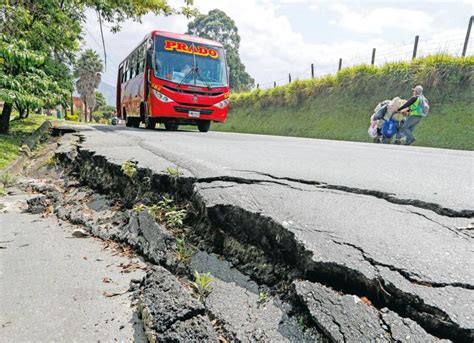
{"x":72,"y":117}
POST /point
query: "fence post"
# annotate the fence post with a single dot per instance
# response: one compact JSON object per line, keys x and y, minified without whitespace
{"x":415,"y":47}
{"x":468,"y":33}
{"x":340,"y":64}
{"x":289,"y":78}
{"x":274,"y":84}
{"x":373,"y":56}
{"x":312,"y":70}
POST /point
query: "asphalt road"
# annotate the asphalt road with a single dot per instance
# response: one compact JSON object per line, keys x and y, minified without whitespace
{"x":311,"y":188}
{"x":441,"y":176}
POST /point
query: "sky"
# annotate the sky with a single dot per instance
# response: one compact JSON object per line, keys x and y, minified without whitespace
{"x":279,"y":37}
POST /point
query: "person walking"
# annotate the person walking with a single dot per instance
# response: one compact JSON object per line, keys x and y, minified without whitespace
{"x":415,"y":106}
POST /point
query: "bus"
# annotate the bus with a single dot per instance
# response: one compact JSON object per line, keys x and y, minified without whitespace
{"x":173,"y":79}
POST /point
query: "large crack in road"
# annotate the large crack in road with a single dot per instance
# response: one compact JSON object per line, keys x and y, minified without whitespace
{"x":262,"y":244}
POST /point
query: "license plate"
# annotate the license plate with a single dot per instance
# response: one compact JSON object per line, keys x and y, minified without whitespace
{"x":194,"y":114}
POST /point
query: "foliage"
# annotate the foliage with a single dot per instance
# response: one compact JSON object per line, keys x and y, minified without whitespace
{"x":183,"y":252}
{"x":88,"y":72}
{"x":339,"y":106}
{"x":216,"y":25}
{"x":8,"y":179}
{"x":202,"y":285}
{"x":166,"y":211}
{"x":129,"y":168}
{"x":99,"y":100}
{"x":173,"y":172}
{"x":3,"y":192}
{"x":72,"y":117}
{"x":262,"y":298}
{"x":138,"y":208}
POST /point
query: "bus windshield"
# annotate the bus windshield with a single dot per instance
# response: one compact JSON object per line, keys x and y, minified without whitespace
{"x":190,"y":63}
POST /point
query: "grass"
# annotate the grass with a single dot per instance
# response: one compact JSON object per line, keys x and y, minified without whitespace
{"x":339,"y":106}
{"x":10,"y":143}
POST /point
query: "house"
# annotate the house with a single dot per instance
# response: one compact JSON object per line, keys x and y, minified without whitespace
{"x":78,"y":104}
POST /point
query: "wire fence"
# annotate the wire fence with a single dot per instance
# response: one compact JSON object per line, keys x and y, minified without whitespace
{"x":453,"y":46}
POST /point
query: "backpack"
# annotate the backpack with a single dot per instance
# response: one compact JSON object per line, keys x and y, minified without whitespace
{"x":389,"y":128}
{"x":424,"y":106}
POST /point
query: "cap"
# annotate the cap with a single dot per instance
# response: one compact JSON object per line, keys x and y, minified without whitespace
{"x":418,"y":89}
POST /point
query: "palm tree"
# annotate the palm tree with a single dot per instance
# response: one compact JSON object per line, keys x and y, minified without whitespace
{"x":88,"y":72}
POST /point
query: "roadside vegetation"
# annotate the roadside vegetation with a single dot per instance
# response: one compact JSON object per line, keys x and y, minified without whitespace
{"x":10,"y":143}
{"x":339,"y":106}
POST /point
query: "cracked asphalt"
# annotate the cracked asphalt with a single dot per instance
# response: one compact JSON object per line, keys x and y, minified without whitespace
{"x":419,"y":246}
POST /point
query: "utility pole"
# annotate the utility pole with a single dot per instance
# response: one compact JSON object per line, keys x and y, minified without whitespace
{"x":340,"y":64}
{"x":373,"y":56}
{"x":289,"y":78}
{"x":312,"y":70}
{"x":468,"y":33}
{"x":274,"y":84}
{"x":415,"y":47}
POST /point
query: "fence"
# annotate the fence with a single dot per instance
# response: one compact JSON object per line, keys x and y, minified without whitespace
{"x":458,"y":46}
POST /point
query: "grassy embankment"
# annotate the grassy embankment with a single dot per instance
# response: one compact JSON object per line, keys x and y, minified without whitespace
{"x":339,"y":106}
{"x":10,"y":144}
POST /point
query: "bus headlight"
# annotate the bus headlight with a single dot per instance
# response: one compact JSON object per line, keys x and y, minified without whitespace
{"x":161,"y":96}
{"x":222,"y":104}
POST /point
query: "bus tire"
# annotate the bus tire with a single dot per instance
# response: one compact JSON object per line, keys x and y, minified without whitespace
{"x":171,"y":126}
{"x":150,"y":123}
{"x":204,"y":125}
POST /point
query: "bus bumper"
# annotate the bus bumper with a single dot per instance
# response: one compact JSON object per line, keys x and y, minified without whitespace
{"x":186,"y":113}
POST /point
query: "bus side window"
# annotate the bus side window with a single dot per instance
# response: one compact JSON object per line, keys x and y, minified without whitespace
{"x":140,"y":59}
{"x":125,"y":74}
{"x":132,"y":66}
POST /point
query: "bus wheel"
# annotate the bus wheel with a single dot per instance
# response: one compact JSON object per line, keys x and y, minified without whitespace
{"x":150,"y":123}
{"x":171,"y":126}
{"x":204,"y":125}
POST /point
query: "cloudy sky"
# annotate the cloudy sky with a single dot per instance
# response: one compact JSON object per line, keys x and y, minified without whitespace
{"x":285,"y":36}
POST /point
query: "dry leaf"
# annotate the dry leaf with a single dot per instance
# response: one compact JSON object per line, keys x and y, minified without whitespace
{"x":366,"y":301}
{"x":106,"y":280}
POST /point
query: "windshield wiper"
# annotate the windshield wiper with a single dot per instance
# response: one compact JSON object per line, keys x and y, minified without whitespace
{"x":189,"y":73}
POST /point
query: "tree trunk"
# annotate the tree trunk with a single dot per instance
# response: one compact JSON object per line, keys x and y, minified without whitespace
{"x":85,"y":111}
{"x":5,"y":118}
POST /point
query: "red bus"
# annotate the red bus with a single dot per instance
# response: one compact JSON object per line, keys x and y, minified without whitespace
{"x":173,"y":79}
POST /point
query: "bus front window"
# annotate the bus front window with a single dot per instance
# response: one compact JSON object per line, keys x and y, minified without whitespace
{"x":188,"y":63}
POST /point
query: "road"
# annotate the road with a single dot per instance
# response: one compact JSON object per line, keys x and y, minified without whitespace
{"x":370,"y":214}
{"x":53,"y":285}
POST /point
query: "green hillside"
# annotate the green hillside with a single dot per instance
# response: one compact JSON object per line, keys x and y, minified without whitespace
{"x":339,"y":106}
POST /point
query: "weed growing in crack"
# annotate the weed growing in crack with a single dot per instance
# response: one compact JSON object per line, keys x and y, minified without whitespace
{"x":182,"y":251}
{"x":166,"y":211}
{"x":3,"y":192}
{"x":262,"y":298}
{"x":129,"y":168}
{"x":8,"y":179}
{"x":300,"y":320}
{"x":202,"y":285}
{"x":173,"y":172}
{"x":138,"y":208}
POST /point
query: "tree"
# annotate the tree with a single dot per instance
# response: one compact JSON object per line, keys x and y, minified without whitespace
{"x":22,"y":79}
{"x":100,"y":101}
{"x":88,"y":71}
{"x":47,"y":35}
{"x":216,"y":25}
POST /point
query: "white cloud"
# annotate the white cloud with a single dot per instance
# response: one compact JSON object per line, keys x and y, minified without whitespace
{"x":378,"y":19}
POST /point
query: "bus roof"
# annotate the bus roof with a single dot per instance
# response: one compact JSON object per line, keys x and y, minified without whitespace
{"x":185,"y":37}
